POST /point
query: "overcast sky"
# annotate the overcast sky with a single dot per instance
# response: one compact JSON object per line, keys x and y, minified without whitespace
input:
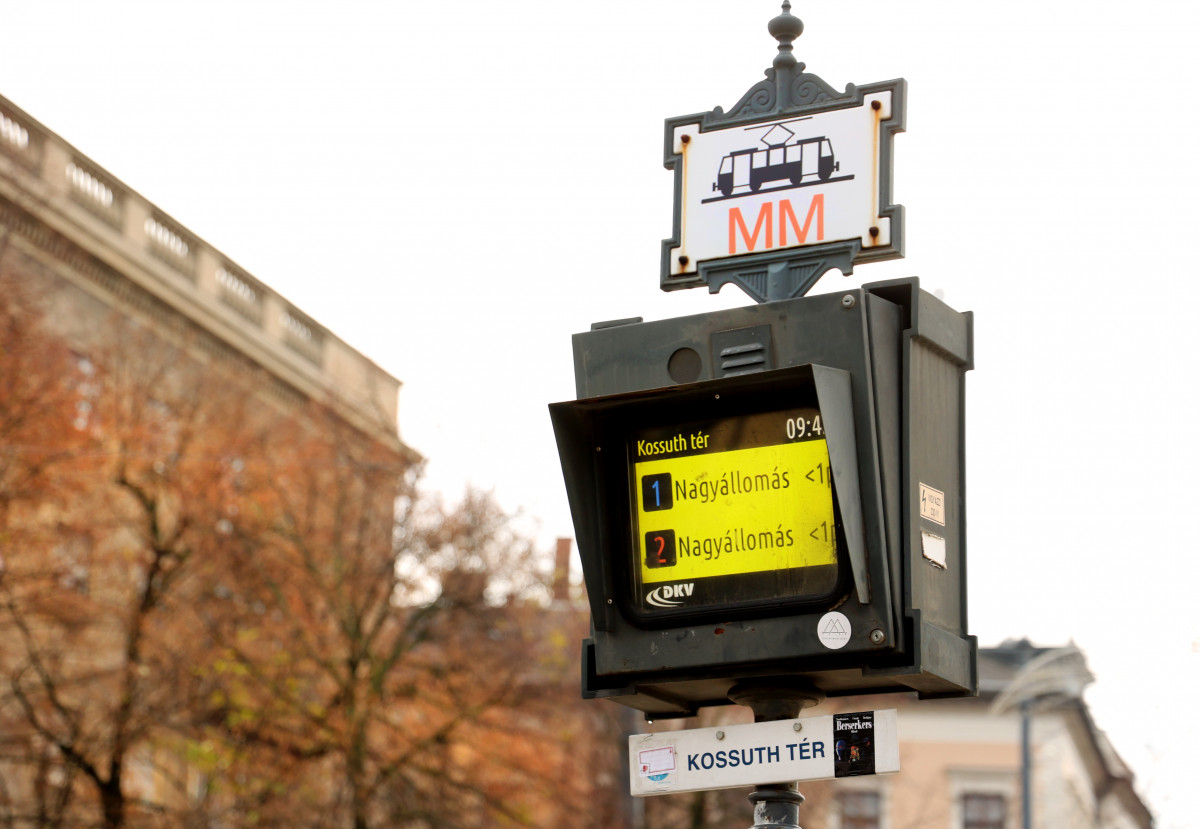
{"x":455,"y":188}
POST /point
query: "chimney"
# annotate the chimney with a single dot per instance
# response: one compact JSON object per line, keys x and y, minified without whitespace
{"x":562,"y":571}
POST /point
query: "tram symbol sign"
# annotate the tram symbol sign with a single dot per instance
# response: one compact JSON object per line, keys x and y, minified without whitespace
{"x":783,"y":182}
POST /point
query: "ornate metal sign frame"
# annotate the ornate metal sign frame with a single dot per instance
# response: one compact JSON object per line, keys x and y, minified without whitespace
{"x":788,"y":94}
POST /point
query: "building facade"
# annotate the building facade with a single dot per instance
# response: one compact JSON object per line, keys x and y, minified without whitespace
{"x":963,"y":765}
{"x":223,"y":602}
{"x":118,"y":252}
{"x":160,"y":407}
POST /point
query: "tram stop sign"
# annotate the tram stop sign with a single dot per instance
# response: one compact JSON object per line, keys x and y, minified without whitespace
{"x":795,"y":179}
{"x":775,"y":493}
{"x":814,"y":748}
{"x":777,"y":185}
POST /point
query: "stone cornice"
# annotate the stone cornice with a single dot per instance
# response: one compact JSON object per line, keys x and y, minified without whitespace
{"x":141,"y":260}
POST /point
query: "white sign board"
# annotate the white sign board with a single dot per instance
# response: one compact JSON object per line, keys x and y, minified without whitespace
{"x":787,"y":751}
{"x":782,"y":183}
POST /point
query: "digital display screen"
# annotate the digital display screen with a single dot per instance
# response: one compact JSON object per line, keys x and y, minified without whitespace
{"x":731,"y":512}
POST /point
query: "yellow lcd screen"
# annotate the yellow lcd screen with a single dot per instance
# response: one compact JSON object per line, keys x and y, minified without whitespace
{"x":732,"y":512}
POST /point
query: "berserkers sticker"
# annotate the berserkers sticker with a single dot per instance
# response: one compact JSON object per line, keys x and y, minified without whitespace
{"x":853,"y":744}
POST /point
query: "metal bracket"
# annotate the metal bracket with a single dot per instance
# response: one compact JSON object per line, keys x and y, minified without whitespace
{"x":768,"y":278}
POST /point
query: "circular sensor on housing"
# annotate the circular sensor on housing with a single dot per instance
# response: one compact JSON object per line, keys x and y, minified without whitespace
{"x":684,"y":366}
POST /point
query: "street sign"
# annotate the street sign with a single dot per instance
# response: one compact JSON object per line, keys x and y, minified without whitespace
{"x":783,"y":751}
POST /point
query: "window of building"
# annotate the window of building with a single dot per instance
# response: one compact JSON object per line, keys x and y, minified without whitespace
{"x":983,"y":811}
{"x":73,"y":560}
{"x":87,"y":390}
{"x":861,"y":810}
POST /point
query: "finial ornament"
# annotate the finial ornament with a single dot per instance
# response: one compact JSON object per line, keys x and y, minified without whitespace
{"x":785,"y":28}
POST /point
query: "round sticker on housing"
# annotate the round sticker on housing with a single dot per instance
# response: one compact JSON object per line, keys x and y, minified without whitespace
{"x":734,"y":510}
{"x":833,"y":630}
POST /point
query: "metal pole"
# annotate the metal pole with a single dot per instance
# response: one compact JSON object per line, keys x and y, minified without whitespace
{"x":776,"y":806}
{"x":1026,"y":766}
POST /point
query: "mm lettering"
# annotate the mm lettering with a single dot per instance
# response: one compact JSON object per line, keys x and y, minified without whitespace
{"x":765,"y":225}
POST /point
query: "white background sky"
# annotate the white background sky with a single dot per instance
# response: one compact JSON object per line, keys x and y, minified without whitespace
{"x":455,"y":188}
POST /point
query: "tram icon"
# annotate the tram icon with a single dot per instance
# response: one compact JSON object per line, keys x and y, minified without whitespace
{"x":802,"y":162}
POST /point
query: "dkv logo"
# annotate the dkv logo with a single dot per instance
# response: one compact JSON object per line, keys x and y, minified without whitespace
{"x":665,"y":595}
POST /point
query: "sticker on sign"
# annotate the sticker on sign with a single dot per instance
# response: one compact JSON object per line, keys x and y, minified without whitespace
{"x":814,"y":748}
{"x":656,"y":763}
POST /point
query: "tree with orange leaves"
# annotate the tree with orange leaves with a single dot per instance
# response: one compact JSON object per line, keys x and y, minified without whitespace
{"x":115,"y":469}
{"x":218,"y":609}
{"x":37,"y":442}
{"x":394,"y":661}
